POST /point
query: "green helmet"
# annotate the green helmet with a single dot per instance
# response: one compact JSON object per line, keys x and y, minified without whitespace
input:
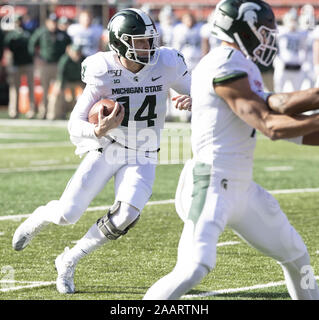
{"x":129,"y":25}
{"x":251,"y":24}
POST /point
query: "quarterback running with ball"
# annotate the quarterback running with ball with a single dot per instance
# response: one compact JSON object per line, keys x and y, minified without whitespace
{"x":216,"y":188}
{"x":138,"y":75}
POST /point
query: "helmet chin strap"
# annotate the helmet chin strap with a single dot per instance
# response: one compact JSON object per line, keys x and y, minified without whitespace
{"x":242,"y":47}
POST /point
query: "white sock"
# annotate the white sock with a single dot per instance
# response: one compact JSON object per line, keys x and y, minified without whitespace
{"x":300,"y":280}
{"x":178,"y":282}
{"x":94,"y":238}
{"x":91,"y":241}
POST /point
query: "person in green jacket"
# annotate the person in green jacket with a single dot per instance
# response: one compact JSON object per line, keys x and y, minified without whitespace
{"x":68,"y":77}
{"x":52,"y":43}
{"x":21,"y":64}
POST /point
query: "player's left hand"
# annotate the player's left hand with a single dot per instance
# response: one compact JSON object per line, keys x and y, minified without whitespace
{"x":183,"y":102}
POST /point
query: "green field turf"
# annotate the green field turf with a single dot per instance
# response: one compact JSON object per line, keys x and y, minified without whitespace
{"x":36,"y":163}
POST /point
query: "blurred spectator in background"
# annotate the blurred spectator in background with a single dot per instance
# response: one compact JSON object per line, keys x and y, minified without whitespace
{"x":52,"y":43}
{"x":1,"y":43}
{"x":64,"y":23}
{"x":208,"y":41}
{"x":187,"y":39}
{"x":21,"y":64}
{"x":316,"y":55}
{"x":69,"y":77}
{"x":4,"y":88}
{"x":104,"y":44}
{"x":292,"y":47}
{"x":28,"y":23}
{"x":307,"y":23}
{"x":86,"y":34}
{"x":167,"y":23}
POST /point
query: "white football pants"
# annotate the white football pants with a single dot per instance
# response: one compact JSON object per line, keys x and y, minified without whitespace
{"x":133,"y":180}
{"x":207,"y":203}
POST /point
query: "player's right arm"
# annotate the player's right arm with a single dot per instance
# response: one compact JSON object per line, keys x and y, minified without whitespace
{"x":110,"y":122}
{"x":93,"y":73}
{"x":254,"y":111}
{"x":294,"y":102}
{"x":78,"y":124}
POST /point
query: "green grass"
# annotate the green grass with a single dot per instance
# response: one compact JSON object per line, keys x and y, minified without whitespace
{"x":126,"y":268}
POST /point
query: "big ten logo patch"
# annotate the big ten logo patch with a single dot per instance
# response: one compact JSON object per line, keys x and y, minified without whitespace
{"x":115,"y":74}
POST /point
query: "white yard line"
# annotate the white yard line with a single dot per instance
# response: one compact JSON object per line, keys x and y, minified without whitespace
{"x":100,"y":208}
{"x":287,"y":191}
{"x":227,"y":243}
{"x":23,"y":136}
{"x":35,"y":145}
{"x":235,"y":290}
{"x":33,"y":123}
{"x":10,"y":285}
{"x":15,"y":217}
{"x":160,"y":202}
{"x":39,"y":168}
{"x":280,"y":168}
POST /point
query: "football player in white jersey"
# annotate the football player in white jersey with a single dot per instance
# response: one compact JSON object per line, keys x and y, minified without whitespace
{"x":124,"y":145}
{"x":187,"y":39}
{"x":307,"y":22}
{"x":292,"y":49}
{"x":216,"y":188}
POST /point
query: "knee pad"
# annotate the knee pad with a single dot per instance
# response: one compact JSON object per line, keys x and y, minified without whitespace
{"x":111,"y":227}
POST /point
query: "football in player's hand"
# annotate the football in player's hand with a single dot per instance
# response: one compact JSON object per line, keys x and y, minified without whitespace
{"x":107,"y":105}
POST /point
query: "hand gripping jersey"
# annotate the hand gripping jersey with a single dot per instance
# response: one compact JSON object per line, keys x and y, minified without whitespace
{"x":142,"y":94}
{"x":219,"y":137}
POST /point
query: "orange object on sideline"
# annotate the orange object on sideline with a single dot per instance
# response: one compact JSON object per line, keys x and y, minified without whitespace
{"x":24,"y":99}
{"x":38,"y":91}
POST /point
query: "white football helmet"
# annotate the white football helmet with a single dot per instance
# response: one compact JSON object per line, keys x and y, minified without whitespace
{"x":290,"y":19}
{"x":307,"y":20}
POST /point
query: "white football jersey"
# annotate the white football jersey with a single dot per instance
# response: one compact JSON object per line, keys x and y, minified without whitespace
{"x":143,"y":96}
{"x":292,"y":46}
{"x":88,"y":38}
{"x":219,"y":137}
{"x":188,"y":41}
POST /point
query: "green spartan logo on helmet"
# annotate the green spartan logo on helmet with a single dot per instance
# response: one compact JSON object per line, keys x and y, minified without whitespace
{"x":251,"y":25}
{"x":128,"y":25}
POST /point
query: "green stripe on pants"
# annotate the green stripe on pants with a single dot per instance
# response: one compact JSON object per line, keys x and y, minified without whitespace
{"x":201,"y":179}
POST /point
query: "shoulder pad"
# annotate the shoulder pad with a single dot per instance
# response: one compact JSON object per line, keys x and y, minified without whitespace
{"x":94,"y":68}
{"x":170,"y":57}
{"x":229,"y":66}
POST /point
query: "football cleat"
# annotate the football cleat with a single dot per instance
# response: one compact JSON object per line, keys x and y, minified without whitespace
{"x":65,"y":269}
{"x":28,"y":230}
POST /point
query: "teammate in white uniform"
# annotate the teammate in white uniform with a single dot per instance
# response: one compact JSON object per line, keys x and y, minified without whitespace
{"x":292,"y":49}
{"x":86,"y":34}
{"x":187,"y":39}
{"x":138,"y":75}
{"x":216,"y":187}
{"x":307,"y":23}
{"x":167,"y":23}
{"x":208,"y":41}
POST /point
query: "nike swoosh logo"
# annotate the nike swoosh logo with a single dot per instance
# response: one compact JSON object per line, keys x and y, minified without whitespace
{"x":154,"y":79}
